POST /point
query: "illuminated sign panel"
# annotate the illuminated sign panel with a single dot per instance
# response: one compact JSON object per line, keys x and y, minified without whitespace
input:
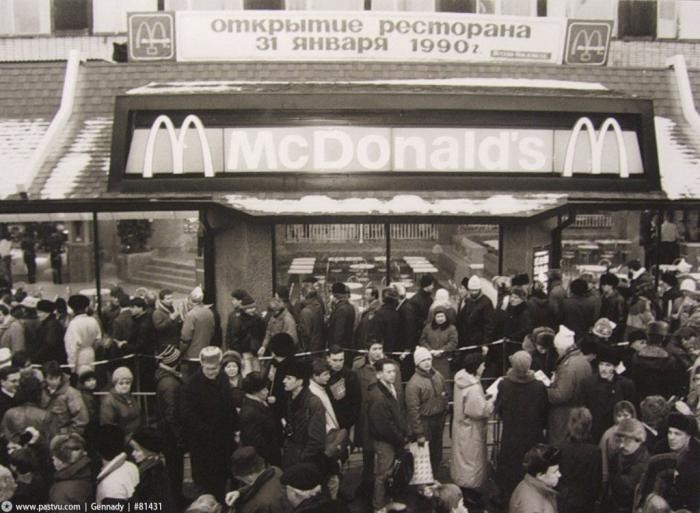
{"x":166,"y":148}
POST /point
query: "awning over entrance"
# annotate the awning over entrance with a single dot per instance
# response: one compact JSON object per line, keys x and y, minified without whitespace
{"x":515,"y":205}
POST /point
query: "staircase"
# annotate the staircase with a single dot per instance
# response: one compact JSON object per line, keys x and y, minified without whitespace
{"x":163,"y":273}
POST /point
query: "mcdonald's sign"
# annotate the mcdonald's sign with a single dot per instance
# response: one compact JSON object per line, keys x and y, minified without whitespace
{"x":596,"y":143}
{"x":587,"y":42}
{"x":151,"y":36}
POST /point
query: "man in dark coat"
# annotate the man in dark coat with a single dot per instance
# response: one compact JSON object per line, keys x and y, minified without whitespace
{"x":671,"y":299}
{"x":641,"y":281}
{"x":522,"y":406}
{"x":384,"y":325}
{"x":613,"y":305}
{"x":260,"y":427}
{"x":168,"y":381}
{"x":673,"y":474}
{"x":475,"y":316}
{"x":262,"y":491}
{"x":653,"y":369}
{"x":209,"y":422}
{"x":513,"y":324}
{"x":312,"y":336}
{"x":422,"y":300}
{"x":581,"y":310}
{"x":123,"y":324}
{"x":341,"y":324}
{"x":143,"y":341}
{"x":602,"y":390}
{"x":306,"y":417}
{"x":282,"y":349}
{"x":50,"y":344}
{"x":167,"y":322}
{"x":386,"y":417}
{"x":9,"y":383}
{"x":343,"y":390}
{"x":245,"y":329}
{"x":408,"y":331}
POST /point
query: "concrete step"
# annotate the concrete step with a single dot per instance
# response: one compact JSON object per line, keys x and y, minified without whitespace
{"x":165,"y":276}
{"x":173,"y":264}
{"x":168,"y":271}
{"x":159,"y":285}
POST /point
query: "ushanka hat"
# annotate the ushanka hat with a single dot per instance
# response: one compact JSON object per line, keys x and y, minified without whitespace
{"x":631,"y":428}
{"x":302,"y":476}
{"x":46,"y":306}
{"x":520,"y":280}
{"x":609,"y":279}
{"x":603,"y":328}
{"x":339,"y":288}
{"x":685,"y":423}
{"x":210,"y":355}
{"x":78,"y":302}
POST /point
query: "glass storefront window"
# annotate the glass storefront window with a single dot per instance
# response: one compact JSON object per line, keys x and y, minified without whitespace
{"x":356,"y":255}
{"x":603,"y":240}
{"x":142,"y":251}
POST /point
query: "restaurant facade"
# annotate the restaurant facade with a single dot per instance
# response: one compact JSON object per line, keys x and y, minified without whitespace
{"x":263,"y":147}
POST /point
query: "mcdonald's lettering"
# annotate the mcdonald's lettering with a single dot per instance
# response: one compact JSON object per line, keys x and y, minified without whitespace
{"x":165,"y":149}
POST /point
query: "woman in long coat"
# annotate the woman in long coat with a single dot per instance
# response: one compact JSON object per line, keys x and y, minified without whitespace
{"x":469,"y":465}
{"x":522,"y":405}
{"x":440,"y":335}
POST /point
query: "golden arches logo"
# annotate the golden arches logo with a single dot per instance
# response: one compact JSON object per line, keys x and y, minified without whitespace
{"x":596,"y":146}
{"x":151,"y":34}
{"x":177,"y":144}
{"x":586,"y":43}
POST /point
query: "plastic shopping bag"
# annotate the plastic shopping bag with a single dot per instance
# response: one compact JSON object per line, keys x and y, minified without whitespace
{"x":422,"y":470}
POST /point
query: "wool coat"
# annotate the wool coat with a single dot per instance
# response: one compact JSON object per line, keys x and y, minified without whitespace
{"x":73,"y":484}
{"x":581,"y":468}
{"x":565,"y":392}
{"x":260,"y":428}
{"x":522,"y":406}
{"x":469,"y":462}
{"x":475,"y":321}
{"x":341,"y":325}
{"x":440,"y":338}
{"x":386,"y":415}
{"x":265,"y":495}
{"x":122,"y":410}
{"x":600,"y":395}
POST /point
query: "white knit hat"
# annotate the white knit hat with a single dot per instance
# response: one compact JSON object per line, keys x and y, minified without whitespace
{"x":564,"y":338}
{"x":474,"y":283}
{"x":197,"y":295}
{"x":421,"y":354}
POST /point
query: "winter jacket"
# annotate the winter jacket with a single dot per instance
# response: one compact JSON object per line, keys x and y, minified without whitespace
{"x":81,"y":336}
{"x":66,"y":408}
{"x":341,"y":324}
{"x":167,"y":330}
{"x":475,"y":321}
{"x":565,"y":392}
{"x":440,"y":338}
{"x":197,"y":330}
{"x":260,"y":428}
{"x":513,"y":323}
{"x":625,"y":472}
{"x":265,"y":495}
{"x":312,"y":336}
{"x":168,"y":394}
{"x":12,"y":335}
{"x":123,"y":325}
{"x":275,"y":371}
{"x":282,"y":322}
{"x":655,"y":372}
{"x":244,"y":332}
{"x":540,"y":312}
{"x":363,"y":331}
{"x":50,"y":342}
{"x":367,"y":376}
{"x":643,"y":284}
{"x":154,"y":483}
{"x":408,"y":331}
{"x":384,"y":326}
{"x":73,"y":484}
{"x":117,"y":481}
{"x":346,"y":397}
{"x":121,"y":410}
{"x":19,"y":418}
{"x":425,"y":397}
{"x":578,"y":493}
{"x":386,"y":415}
{"x":522,"y":405}
{"x":600,"y":396}
{"x":469,"y":462}
{"x":614,"y":307}
{"x":209,"y":420}
{"x":556,"y":296}
{"x":307,"y":418}
{"x":143,"y":340}
{"x":579,"y":313}
{"x":421,"y":302}
{"x":533,"y":496}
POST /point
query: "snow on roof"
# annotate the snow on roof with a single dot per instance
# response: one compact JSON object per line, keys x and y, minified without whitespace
{"x":223,"y":86}
{"x":679,"y":169}
{"x":18,"y":139}
{"x":75,"y":160}
{"x":401,"y":204}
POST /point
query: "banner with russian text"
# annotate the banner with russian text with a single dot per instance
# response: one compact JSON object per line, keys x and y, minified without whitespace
{"x":366,"y":35}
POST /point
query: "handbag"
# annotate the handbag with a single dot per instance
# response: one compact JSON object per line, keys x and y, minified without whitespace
{"x":422,"y":469}
{"x":401,"y":472}
{"x":337,"y":442}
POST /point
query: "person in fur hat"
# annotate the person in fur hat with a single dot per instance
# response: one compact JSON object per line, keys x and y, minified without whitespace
{"x":341,"y":323}
{"x":475,"y":316}
{"x":613,"y":305}
{"x":581,"y":309}
{"x":440,"y":338}
{"x":198,"y":327}
{"x":72,"y":479}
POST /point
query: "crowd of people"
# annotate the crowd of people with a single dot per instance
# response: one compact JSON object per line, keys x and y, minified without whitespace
{"x":595,"y":385}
